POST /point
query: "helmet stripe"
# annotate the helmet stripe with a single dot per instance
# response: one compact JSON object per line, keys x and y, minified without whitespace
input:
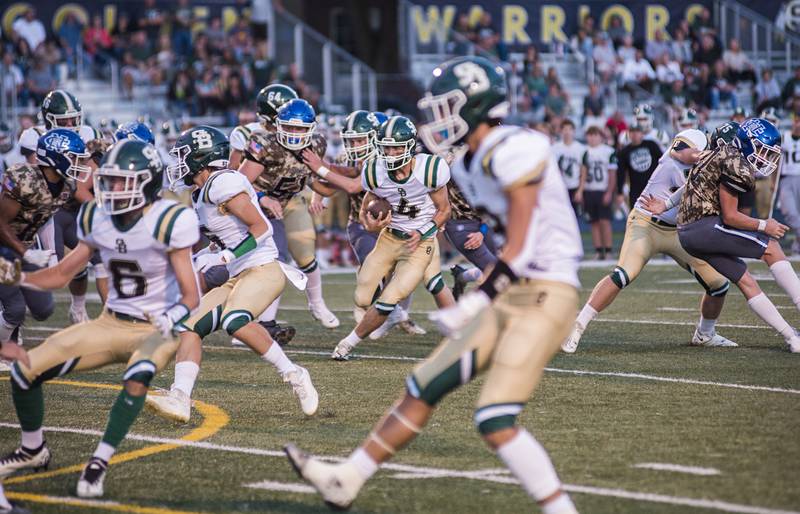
{"x":390,"y":127}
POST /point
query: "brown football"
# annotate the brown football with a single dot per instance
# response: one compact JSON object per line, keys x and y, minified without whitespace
{"x":378,"y":207}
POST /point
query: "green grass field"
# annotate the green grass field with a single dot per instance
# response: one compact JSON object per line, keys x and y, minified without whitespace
{"x":634,"y":393}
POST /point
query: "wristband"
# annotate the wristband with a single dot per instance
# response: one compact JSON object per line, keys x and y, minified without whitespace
{"x":427,"y":230}
{"x":177,"y":313}
{"x":323,"y":171}
{"x":498,"y":280}
{"x":668,"y":204}
{"x":484,"y":229}
{"x":762,"y":225}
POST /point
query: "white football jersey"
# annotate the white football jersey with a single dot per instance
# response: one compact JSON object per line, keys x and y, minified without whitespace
{"x":569,"y":159}
{"x":412,"y":206}
{"x":29,"y":139}
{"x":241,"y":134}
{"x":669,"y":175}
{"x":136,"y":257}
{"x":790,"y":164}
{"x":228,"y":231}
{"x":509,"y":157}
{"x":600,"y":162}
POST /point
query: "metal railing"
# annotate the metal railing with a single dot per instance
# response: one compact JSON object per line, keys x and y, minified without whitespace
{"x":344,"y":82}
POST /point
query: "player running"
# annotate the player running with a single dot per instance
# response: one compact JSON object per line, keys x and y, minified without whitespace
{"x":145,"y":243}
{"x":511,"y":326}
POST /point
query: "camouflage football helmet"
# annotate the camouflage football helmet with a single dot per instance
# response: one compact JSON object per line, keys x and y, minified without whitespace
{"x":60,"y":109}
{"x":129,"y":177}
{"x":464,"y":93}
{"x":196,"y":149}
{"x":270,"y":99}
{"x":396,"y":133}
{"x":359,"y":135}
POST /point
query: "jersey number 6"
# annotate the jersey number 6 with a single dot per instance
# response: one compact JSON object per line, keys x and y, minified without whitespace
{"x":127,"y":278}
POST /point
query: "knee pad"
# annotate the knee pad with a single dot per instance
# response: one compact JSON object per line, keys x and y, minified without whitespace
{"x":452,"y":377}
{"x":496,"y":417}
{"x":435,"y":285}
{"x":310,"y":267}
{"x":620,"y":277}
{"x":721,"y":290}
{"x":142,"y":371}
{"x":384,"y":308}
{"x":234,"y":320}
{"x":208,"y":323}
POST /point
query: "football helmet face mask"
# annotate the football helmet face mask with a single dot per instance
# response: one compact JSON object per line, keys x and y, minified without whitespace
{"x":196,"y":149}
{"x":643,"y":114}
{"x":760,"y":143}
{"x":129,"y":177}
{"x":296,"y":122}
{"x":359,"y":136}
{"x":135,"y":130}
{"x":396,"y":141}
{"x":65,"y":151}
{"x":465,"y":92}
{"x":60,"y":109}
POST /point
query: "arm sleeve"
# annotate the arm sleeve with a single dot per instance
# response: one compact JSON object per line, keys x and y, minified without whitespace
{"x":186,"y":231}
{"x":521,"y":160}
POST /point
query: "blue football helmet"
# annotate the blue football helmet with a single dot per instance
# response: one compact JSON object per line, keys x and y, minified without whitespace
{"x":381,"y":116}
{"x":296,"y":122}
{"x":135,"y":130}
{"x":760,"y":143}
{"x":64,"y":150}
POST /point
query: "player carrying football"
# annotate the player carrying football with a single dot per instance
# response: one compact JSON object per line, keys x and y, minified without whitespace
{"x":513,"y":324}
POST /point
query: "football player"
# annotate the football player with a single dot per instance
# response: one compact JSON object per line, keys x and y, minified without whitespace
{"x":273,"y":163}
{"x":597,"y":188}
{"x":60,"y":109}
{"x":687,"y":119}
{"x":136,"y":130}
{"x":145,"y":243}
{"x":711,"y":228}
{"x":790,"y":181}
{"x":647,"y":235}
{"x":268,"y":101}
{"x":643,"y":117}
{"x":231,"y":218}
{"x":512,"y":325}
{"x":32,"y":194}
{"x":569,"y":153}
{"x":415,"y":187}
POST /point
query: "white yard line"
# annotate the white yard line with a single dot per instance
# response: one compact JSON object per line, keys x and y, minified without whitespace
{"x":271,"y":485}
{"x":678,"y":468}
{"x":407,"y":471}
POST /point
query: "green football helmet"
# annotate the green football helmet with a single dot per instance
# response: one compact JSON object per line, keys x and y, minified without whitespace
{"x":270,"y":99}
{"x":643,"y":116}
{"x":359,"y":135}
{"x":464,"y":93}
{"x":60,"y":109}
{"x":196,"y":149}
{"x":724,"y":135}
{"x":771,"y":115}
{"x":687,"y":119}
{"x":129,"y":177}
{"x":396,"y":132}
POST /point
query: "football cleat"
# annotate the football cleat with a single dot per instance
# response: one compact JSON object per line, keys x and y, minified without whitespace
{"x":459,"y":284}
{"x":342,"y":351}
{"x":300,"y":380}
{"x":90,"y":485}
{"x":321,"y":313}
{"x":570,"y":345}
{"x":78,"y":315}
{"x":281,"y":334}
{"x":338,"y":484}
{"x":23,"y":458}
{"x":411,"y":328}
{"x":383,"y":329}
{"x":174,"y":404}
{"x":712,"y":340}
{"x":792,"y":344}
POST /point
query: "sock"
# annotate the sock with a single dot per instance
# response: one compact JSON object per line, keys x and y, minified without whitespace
{"x":124,"y":412}
{"x":5,"y":329}
{"x":706,"y":326}
{"x":33,"y":439}
{"x":766,"y":310}
{"x":586,"y":315}
{"x":277,"y":358}
{"x":528,"y":461}
{"x":608,"y":249}
{"x":472,"y":275}
{"x":363,"y":463}
{"x":104,"y":451}
{"x":185,"y":376}
{"x":78,"y":302}
{"x":352,"y":338}
{"x":314,"y":288}
{"x":787,"y":279}
{"x":30,"y":407}
{"x":3,"y":501}
{"x":405,"y":304}
{"x":271,"y":312}
{"x":562,"y":504}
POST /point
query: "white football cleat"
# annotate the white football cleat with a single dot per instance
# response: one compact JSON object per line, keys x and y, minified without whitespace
{"x":411,"y":328}
{"x":22,"y":458}
{"x":78,"y":315}
{"x":711,"y":340}
{"x":174,"y":405}
{"x":90,"y":485}
{"x":793,"y":343}
{"x":382,"y":330}
{"x":300,"y":380}
{"x":338,"y":484}
{"x":570,"y":344}
{"x":342,"y":351}
{"x":322,"y":314}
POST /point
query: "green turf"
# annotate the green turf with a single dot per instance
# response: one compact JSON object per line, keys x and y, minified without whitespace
{"x":595,"y":427}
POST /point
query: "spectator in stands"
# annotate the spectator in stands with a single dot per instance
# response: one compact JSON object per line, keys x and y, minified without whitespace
{"x":668,"y":71}
{"x":616,"y":125}
{"x":676,"y":97}
{"x":702,"y":23}
{"x":581,"y":44}
{"x":182,"y":29}
{"x":680,"y":47}
{"x":695,"y":86}
{"x":216,"y":34}
{"x":208,"y":92}
{"x":626,"y":51}
{"x":709,"y":50}
{"x":588,"y":25}
{"x":97,"y":42}
{"x":791,"y":90}
{"x":616,"y":30}
{"x":719,"y":88}
{"x":638,"y":75}
{"x":605,"y":59}
{"x":234,"y":97}
{"x":121,"y":35}
{"x":767,"y":92}
{"x":165,"y":58}
{"x":536,"y":85}
{"x":12,"y":81}
{"x":657,"y":47}
{"x":531,"y":59}
{"x":489,"y":41}
{"x":40,"y":81}
{"x":181,"y":93}
{"x":152,"y":20}
{"x":261,"y":67}
{"x":556,"y":105}
{"x":460,"y":36}
{"x":30,"y":29}
{"x":69,"y":35}
{"x":738,"y":64}
{"x":594,"y":104}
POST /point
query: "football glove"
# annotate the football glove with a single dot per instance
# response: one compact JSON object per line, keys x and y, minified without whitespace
{"x":208,"y":260}
{"x":40,"y":258}
{"x":451,"y":320}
